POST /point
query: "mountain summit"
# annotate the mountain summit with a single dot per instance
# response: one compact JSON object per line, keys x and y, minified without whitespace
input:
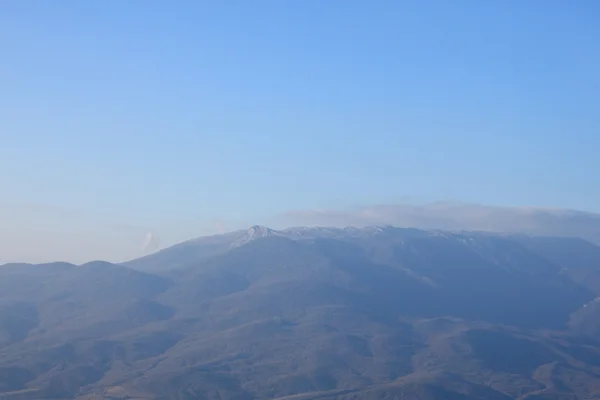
{"x":256,"y":232}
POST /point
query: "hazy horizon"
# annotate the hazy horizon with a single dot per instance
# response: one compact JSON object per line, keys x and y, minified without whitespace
{"x":85,"y":239}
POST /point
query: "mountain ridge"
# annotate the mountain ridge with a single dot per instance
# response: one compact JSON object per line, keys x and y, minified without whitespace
{"x":220,"y":243}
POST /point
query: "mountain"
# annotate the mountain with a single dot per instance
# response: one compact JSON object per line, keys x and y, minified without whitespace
{"x":310,"y":313}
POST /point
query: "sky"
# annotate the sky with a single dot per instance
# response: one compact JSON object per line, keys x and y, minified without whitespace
{"x":131,"y":122}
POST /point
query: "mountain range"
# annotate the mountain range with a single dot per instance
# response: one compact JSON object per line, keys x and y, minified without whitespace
{"x":311,"y":313}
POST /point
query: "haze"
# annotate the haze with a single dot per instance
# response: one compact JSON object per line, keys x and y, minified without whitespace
{"x":129,"y":126}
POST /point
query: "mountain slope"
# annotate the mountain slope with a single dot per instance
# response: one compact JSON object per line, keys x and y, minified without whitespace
{"x":309,"y":313}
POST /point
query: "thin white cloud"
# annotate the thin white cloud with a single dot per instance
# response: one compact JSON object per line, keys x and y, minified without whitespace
{"x":457,"y":216}
{"x":151,"y":243}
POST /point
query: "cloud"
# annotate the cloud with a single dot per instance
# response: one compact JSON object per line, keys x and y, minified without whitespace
{"x":151,"y":243}
{"x":457,"y":216}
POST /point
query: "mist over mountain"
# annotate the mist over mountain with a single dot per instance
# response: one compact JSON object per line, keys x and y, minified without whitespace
{"x":458,"y":216}
{"x":304,"y":313}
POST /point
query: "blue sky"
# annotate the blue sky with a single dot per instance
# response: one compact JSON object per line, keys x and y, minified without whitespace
{"x":178,"y":116}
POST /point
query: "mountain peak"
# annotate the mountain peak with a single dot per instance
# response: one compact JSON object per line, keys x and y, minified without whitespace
{"x":257,"y":231}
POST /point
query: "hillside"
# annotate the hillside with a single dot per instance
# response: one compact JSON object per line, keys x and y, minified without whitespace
{"x":310,"y":313}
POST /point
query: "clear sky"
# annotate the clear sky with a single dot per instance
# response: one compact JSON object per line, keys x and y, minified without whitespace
{"x":188,"y":117}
